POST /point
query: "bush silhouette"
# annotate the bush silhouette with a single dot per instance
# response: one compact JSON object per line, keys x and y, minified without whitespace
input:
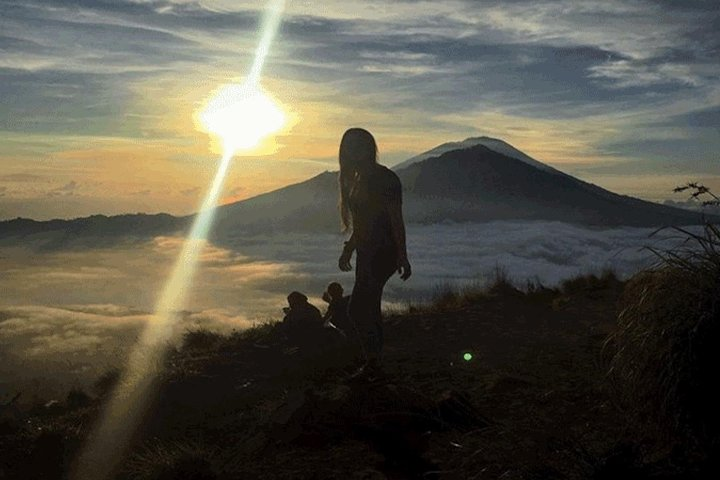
{"x":667,"y":341}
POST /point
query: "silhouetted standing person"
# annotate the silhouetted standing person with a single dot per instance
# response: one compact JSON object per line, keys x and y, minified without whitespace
{"x":371,"y":208}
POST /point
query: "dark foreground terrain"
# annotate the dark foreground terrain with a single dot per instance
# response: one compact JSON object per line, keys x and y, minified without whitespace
{"x":535,"y":401}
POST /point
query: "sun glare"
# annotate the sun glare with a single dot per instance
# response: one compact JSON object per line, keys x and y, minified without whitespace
{"x":241,"y":115}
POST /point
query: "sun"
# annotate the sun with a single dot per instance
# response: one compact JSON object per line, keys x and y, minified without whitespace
{"x":241,"y":115}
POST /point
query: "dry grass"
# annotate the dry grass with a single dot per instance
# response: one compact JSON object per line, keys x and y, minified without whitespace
{"x":666,"y":342}
{"x":591,"y":282}
{"x":447,"y":296}
{"x":173,"y":460}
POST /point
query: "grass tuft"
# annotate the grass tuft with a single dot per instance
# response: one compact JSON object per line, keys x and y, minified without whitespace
{"x":173,"y":460}
{"x":589,"y":283}
{"x":665,"y":357}
{"x":500,"y":282}
{"x":200,"y":339}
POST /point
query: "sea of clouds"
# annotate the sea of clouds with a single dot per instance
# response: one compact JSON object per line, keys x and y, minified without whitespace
{"x":68,"y":316}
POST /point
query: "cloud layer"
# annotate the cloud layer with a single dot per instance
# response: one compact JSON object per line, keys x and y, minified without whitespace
{"x":66,"y":317}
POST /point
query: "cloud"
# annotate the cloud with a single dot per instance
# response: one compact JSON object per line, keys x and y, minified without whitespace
{"x":695,"y":205}
{"x":217,"y":320}
{"x":236,"y":191}
{"x":123,"y":69}
{"x":704,"y":117}
{"x":89,"y":330}
{"x":625,"y":74}
{"x":68,"y":187}
{"x":47,"y":350}
{"x":190,"y":192}
{"x":65,"y":190}
{"x":59,"y":330}
{"x":404,"y":38}
{"x":548,"y":251}
{"x":106,"y":309}
{"x":20,"y":177}
{"x":68,"y":316}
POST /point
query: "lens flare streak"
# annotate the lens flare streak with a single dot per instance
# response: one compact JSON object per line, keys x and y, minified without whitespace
{"x":132,"y":398}
{"x":241,"y":115}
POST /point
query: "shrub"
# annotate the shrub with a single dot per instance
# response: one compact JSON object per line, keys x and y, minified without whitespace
{"x":499,"y":281}
{"x":445,"y":295}
{"x":667,"y":340}
{"x":200,"y":339}
{"x":590,"y":283}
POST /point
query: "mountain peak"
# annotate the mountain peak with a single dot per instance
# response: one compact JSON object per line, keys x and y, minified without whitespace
{"x":494,"y":144}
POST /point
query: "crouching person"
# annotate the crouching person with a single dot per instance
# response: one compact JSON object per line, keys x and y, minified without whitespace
{"x":336,"y":317}
{"x":303,"y":322}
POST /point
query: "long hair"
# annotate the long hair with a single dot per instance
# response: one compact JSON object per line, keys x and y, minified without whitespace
{"x":358,"y":152}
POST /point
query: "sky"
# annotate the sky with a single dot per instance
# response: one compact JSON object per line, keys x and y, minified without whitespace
{"x":98,"y":98}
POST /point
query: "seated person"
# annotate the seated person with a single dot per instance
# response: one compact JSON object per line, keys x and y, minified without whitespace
{"x":337,"y":312}
{"x":301,"y":318}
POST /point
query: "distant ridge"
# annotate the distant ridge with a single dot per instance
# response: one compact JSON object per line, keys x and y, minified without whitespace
{"x":95,"y":230}
{"x":477,"y":180}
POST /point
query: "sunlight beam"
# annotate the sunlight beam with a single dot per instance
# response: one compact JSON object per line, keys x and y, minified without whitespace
{"x":269,"y":29}
{"x":241,"y":115}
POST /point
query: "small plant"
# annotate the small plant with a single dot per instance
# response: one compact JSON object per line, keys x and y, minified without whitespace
{"x":590,"y":283}
{"x":500,"y":281}
{"x":445,"y":296}
{"x":200,"y":339}
{"x":666,"y":342}
{"x":699,"y":192}
{"x":173,"y":460}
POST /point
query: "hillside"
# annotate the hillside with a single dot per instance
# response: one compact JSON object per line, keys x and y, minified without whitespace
{"x":479,"y":184}
{"x":532,"y":402}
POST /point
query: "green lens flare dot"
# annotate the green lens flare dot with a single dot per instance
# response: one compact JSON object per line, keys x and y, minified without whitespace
{"x":467,"y":357}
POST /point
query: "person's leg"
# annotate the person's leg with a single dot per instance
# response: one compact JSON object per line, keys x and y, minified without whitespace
{"x":372,"y":272}
{"x":384,"y":270}
{"x":374,"y":330}
{"x":360,"y":313}
{"x":361,"y":308}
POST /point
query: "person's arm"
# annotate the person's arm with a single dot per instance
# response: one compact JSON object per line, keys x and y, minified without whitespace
{"x":329,"y":314}
{"x":330,"y":309}
{"x":346,"y":255}
{"x":397,"y":226}
{"x":350,"y":244}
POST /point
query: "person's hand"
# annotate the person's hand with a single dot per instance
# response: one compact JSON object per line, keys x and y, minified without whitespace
{"x":404,"y":268}
{"x":344,"y":260}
